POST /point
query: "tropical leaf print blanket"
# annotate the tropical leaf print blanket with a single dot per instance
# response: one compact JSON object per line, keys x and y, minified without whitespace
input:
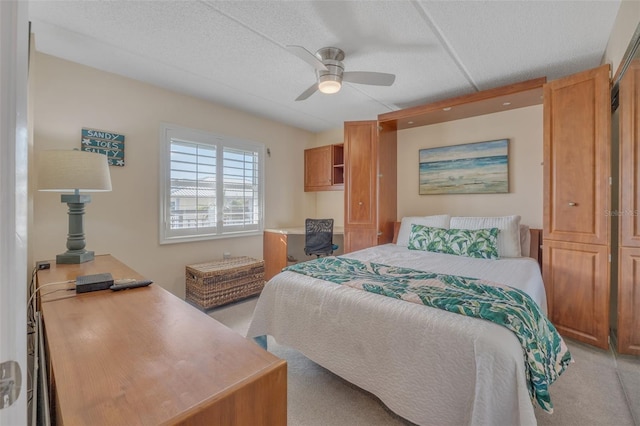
{"x":546,"y":355}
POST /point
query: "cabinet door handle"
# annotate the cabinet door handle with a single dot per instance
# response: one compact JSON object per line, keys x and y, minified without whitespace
{"x":360,"y":203}
{"x":572,"y":204}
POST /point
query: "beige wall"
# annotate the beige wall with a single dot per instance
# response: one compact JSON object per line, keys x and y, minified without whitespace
{"x":124,"y":222}
{"x":330,"y":204}
{"x":523,"y":127}
{"x":624,"y":27}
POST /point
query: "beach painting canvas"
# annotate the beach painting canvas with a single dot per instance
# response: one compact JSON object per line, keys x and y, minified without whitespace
{"x":473,"y":168}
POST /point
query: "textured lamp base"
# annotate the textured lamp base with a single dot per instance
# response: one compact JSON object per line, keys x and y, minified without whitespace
{"x":75,"y":257}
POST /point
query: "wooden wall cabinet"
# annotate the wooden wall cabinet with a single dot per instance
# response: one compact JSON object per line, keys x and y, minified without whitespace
{"x":628,"y":327}
{"x":370,"y":189}
{"x":577,"y":196}
{"x":324,"y":168}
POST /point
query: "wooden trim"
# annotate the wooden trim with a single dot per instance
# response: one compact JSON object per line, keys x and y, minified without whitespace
{"x":387,"y":199}
{"x":518,"y":95}
{"x":396,"y":230}
{"x":535,"y":245}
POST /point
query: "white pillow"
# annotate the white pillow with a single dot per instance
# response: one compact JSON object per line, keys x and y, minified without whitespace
{"x":509,"y":226}
{"x":525,"y":240}
{"x":436,"y":221}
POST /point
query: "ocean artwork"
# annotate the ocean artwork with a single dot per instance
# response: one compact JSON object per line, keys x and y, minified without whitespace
{"x":473,"y":168}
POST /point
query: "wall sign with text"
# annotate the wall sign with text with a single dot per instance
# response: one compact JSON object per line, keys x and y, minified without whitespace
{"x":107,"y":143}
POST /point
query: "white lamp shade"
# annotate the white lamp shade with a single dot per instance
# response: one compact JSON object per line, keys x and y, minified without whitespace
{"x":70,"y":170}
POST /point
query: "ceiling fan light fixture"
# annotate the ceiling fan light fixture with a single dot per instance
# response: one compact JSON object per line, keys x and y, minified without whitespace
{"x":330,"y":71}
{"x":329,"y":84}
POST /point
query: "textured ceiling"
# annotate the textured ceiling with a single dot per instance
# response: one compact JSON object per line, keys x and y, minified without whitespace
{"x":233,"y":52}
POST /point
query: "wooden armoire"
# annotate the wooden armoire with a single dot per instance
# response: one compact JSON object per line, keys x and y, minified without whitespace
{"x":628,"y":326}
{"x":577,"y":194}
{"x":370,"y":185}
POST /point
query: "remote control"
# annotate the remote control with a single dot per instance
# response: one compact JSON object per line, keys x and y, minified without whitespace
{"x":130,"y":284}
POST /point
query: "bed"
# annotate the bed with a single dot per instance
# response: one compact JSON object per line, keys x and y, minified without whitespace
{"x":428,"y":365}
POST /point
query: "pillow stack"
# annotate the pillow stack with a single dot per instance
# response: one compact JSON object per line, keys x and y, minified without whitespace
{"x":509,"y":226}
{"x":489,"y":237}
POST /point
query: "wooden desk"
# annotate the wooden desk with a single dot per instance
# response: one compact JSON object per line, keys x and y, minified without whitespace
{"x":144,"y":356}
{"x":280,"y":243}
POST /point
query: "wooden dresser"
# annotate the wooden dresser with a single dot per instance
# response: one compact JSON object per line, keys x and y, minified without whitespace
{"x":144,"y":356}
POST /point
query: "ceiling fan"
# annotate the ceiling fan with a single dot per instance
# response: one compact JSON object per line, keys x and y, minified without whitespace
{"x":330,"y":72}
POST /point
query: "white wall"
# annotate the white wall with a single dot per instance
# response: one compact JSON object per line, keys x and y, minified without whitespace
{"x":124,"y":222}
{"x":13,"y":208}
{"x":523,"y":127}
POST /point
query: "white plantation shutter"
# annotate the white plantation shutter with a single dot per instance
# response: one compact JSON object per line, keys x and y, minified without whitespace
{"x":240,"y":186}
{"x":193,"y":186}
{"x":211,"y":186}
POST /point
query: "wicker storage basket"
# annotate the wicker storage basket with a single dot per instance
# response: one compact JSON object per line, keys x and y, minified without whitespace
{"x":223,"y":281}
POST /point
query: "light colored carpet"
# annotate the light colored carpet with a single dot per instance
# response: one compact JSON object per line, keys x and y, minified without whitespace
{"x":601,"y":388}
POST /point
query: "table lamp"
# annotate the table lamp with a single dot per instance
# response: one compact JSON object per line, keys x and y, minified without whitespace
{"x":74,"y":171}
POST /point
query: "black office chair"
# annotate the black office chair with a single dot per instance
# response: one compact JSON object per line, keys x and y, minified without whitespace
{"x":318,"y":237}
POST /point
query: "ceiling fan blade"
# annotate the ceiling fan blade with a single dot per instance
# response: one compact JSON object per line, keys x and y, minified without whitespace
{"x":307,"y":56}
{"x":310,"y":91}
{"x":373,"y":78}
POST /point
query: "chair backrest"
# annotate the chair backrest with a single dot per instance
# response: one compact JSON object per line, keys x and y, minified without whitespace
{"x":318,"y":237}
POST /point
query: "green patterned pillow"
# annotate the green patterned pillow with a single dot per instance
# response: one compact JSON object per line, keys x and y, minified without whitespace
{"x":480,"y":243}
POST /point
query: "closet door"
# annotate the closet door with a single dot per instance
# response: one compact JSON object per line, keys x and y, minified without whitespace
{"x":360,"y":186}
{"x":629,"y":301}
{"x":577,"y":299}
{"x":576,"y":246}
{"x":577,"y":146}
{"x":629,"y":214}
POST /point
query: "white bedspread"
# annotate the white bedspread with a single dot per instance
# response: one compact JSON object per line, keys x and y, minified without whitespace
{"x":430,"y":366}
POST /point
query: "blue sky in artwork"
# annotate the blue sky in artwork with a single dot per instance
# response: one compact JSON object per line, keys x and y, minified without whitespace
{"x":470,"y":150}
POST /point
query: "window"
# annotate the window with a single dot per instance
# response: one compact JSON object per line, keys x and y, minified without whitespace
{"x":211,"y":186}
